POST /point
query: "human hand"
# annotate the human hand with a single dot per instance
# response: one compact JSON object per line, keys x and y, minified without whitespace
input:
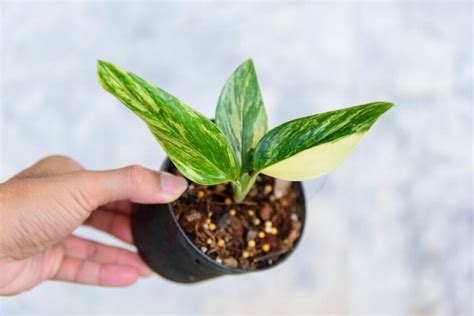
{"x":41,"y":206}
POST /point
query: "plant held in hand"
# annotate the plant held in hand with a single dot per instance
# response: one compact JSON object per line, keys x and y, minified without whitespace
{"x":238,"y":146}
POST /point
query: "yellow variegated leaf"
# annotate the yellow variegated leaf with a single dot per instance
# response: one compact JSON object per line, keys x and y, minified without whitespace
{"x":312,"y":146}
{"x":314,"y":162}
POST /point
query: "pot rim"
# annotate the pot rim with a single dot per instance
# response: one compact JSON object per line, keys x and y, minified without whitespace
{"x":165,"y":166}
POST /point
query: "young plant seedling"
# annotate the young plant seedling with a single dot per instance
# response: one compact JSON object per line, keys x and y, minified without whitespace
{"x":238,"y":146}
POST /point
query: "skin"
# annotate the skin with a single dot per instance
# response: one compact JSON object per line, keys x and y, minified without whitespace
{"x":41,"y":207}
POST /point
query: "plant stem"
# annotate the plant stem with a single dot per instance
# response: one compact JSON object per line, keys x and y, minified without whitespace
{"x":242,"y":186}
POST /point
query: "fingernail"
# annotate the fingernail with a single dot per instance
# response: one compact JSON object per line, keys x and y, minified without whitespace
{"x":171,"y":184}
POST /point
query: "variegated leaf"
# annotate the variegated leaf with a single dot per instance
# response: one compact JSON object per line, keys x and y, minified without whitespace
{"x":194,"y":144}
{"x":315,"y":145}
{"x":240,"y":113}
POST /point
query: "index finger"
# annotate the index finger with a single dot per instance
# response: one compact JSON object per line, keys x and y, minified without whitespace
{"x":123,"y":207}
{"x":49,"y":166}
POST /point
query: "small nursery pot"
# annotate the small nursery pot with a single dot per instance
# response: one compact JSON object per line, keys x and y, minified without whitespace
{"x":165,"y":247}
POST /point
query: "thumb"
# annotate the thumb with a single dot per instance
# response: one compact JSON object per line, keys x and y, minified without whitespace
{"x":38,"y":212}
{"x":134,"y":183}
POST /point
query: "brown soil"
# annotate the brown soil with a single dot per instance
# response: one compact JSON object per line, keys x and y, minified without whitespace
{"x":248,"y":235}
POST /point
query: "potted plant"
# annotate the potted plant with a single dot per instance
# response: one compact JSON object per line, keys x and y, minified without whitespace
{"x":244,"y":209}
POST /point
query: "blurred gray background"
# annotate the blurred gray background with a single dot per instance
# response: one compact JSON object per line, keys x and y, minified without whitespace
{"x":391,"y":231}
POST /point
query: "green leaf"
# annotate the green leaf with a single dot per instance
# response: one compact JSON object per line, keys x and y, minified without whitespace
{"x":194,"y":144}
{"x":240,"y":113}
{"x":315,"y":145}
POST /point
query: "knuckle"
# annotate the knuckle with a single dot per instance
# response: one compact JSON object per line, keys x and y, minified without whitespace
{"x":136,"y":175}
{"x":61,"y":160}
{"x":83,"y":193}
{"x":93,"y":250}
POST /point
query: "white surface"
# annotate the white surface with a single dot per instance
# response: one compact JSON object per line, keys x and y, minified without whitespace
{"x":391,"y":231}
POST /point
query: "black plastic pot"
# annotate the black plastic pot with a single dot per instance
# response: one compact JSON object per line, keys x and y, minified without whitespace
{"x":166,"y":248}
